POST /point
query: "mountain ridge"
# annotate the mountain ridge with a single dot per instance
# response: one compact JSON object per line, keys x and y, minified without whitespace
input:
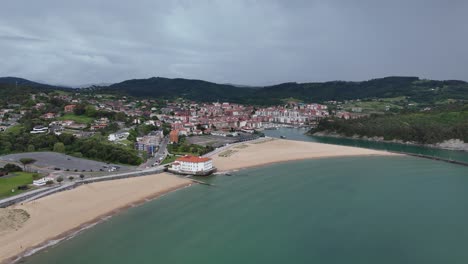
{"x":422,"y":90}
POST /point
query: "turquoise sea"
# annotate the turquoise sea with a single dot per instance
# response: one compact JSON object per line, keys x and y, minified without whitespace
{"x":338,"y":210}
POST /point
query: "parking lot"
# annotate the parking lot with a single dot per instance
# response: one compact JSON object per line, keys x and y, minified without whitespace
{"x":217,"y":141}
{"x":58,"y":161}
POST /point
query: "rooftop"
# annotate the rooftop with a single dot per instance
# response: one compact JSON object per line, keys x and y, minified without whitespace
{"x":193,"y":159}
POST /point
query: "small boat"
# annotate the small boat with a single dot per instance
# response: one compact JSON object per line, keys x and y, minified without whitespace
{"x":282,"y":137}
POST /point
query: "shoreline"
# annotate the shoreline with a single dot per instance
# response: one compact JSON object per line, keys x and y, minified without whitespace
{"x":260,"y":165}
{"x":395,"y":141}
{"x":253,"y":154}
{"x":273,"y":151}
{"x":87,"y":225}
{"x":15,"y":255}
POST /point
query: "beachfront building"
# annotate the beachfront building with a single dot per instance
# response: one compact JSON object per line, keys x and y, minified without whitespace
{"x":193,"y":165}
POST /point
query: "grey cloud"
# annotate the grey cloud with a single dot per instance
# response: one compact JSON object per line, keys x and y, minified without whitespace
{"x":241,"y":41}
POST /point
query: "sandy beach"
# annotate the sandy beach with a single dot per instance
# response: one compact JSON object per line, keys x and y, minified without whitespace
{"x":56,"y":215}
{"x":279,"y":150}
{"x":34,"y":223}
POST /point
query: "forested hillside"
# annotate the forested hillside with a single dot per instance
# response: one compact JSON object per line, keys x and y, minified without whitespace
{"x":424,"y":91}
{"x":422,"y":127}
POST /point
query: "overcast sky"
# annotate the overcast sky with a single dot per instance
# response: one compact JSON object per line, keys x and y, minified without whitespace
{"x":239,"y":41}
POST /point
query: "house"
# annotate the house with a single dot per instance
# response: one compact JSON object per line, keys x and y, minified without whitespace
{"x":118,"y":136}
{"x":174,"y":136}
{"x":69,"y":108}
{"x":56,"y":129}
{"x":42,"y":181}
{"x":48,"y":116}
{"x":39,"y":130}
{"x":193,"y":165}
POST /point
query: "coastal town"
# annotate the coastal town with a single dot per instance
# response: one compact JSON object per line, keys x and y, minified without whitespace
{"x":58,"y":143}
{"x":233,"y":132}
{"x":140,"y":132}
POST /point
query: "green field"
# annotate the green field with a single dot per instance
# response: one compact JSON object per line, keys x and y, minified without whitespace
{"x":12,"y":181}
{"x":169,"y":159}
{"x":79,"y":119}
{"x":377,"y":106}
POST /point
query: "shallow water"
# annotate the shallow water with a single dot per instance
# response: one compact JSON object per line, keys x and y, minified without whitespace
{"x":338,"y":210}
{"x":298,"y":134}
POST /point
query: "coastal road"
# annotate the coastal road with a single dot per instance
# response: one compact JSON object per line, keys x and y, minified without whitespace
{"x":161,"y":153}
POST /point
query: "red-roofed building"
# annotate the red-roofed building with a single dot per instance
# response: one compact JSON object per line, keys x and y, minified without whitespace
{"x":193,"y":165}
{"x":174,"y":136}
{"x":69,"y":108}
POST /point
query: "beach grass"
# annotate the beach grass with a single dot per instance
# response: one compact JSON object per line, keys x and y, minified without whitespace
{"x":12,"y":181}
{"x":227,"y":153}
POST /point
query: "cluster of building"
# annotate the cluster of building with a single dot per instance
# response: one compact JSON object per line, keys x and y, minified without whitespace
{"x":149,"y":143}
{"x":225,"y":119}
{"x":295,"y":114}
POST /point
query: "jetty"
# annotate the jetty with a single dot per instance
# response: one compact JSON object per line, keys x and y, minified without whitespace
{"x":197,"y":181}
{"x":458,"y":162}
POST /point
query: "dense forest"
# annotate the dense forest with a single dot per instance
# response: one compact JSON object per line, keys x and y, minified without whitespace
{"x":450,"y":122}
{"x":422,"y":91}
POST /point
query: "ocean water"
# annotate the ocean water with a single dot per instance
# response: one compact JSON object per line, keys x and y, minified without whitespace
{"x":339,"y":210}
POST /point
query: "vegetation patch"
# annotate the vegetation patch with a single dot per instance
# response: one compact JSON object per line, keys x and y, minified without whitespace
{"x":82,"y":119}
{"x":13,"y":181}
{"x":185,"y":148}
{"x":227,"y":153}
{"x":427,"y":127}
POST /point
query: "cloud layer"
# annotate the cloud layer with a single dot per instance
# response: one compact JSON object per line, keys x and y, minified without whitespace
{"x":239,"y":41}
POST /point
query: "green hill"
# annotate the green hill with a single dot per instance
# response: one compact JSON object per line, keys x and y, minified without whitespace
{"x":419,"y":90}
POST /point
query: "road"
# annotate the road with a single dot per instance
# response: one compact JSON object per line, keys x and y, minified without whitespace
{"x":162,"y":152}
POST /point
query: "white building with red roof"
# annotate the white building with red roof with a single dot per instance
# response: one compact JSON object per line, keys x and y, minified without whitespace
{"x":193,"y":165}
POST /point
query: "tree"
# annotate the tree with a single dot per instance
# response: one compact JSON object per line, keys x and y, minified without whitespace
{"x":12,"y":168}
{"x":82,"y":176}
{"x":90,"y":111}
{"x":31,"y":148}
{"x":36,"y":176}
{"x":59,"y":147}
{"x":27,"y":161}
{"x":59,"y":179}
{"x":71,"y":178}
